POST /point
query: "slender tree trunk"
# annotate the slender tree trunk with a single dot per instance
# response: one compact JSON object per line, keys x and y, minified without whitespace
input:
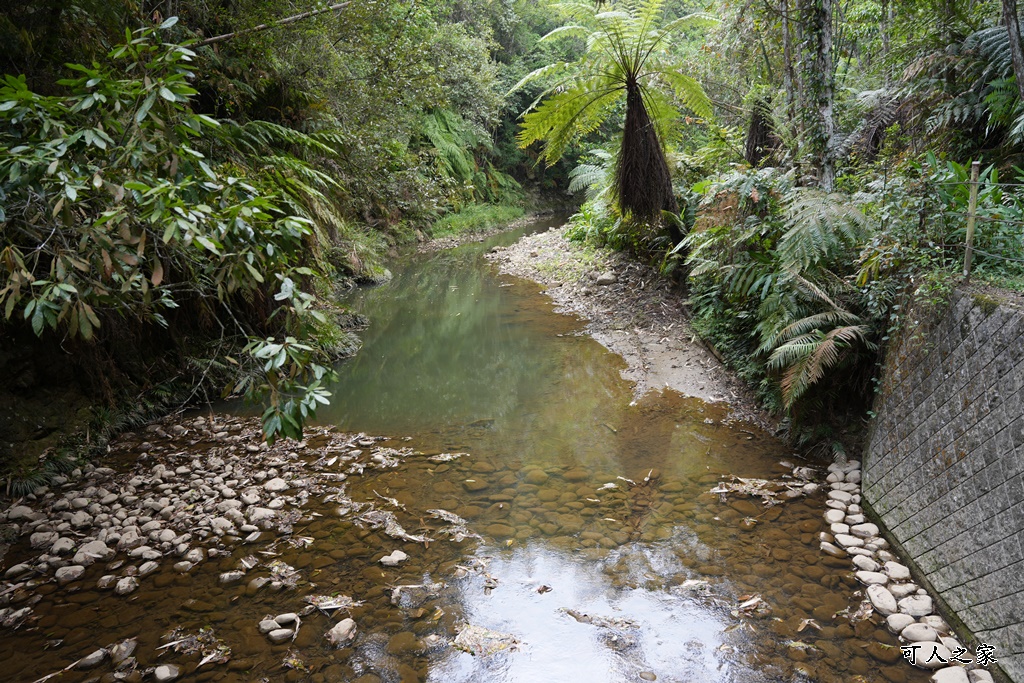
{"x":819,"y":81}
{"x":1013,"y":29}
{"x":800,"y":12}
{"x":886,"y":47}
{"x":787,"y":58}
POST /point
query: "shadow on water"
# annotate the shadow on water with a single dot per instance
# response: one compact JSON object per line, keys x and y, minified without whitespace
{"x":600,"y":550}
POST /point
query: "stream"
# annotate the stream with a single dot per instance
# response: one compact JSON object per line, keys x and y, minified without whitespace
{"x":593,"y":548}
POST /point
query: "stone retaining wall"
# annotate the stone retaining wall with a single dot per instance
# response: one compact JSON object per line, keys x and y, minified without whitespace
{"x":943,"y":468}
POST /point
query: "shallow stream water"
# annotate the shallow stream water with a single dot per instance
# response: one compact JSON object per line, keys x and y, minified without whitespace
{"x":601,"y":551}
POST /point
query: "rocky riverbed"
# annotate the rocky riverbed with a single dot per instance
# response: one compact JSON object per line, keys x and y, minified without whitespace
{"x":305,"y":558}
{"x":557,"y":528}
{"x":190,"y":492}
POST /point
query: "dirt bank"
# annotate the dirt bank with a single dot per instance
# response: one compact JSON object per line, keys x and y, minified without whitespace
{"x":632,"y":311}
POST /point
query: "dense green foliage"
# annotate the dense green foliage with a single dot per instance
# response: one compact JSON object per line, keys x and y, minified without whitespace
{"x":800,"y":165}
{"x":193,"y":201}
{"x":830,"y":189}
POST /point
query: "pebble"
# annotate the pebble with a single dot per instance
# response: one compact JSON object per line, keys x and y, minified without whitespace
{"x":342,"y":632}
{"x":42,"y":539}
{"x":92,"y":552}
{"x":897,"y":571}
{"x":19,"y":512}
{"x":936,"y":622}
{"x":166,"y":672}
{"x":268,"y":625}
{"x":66,"y":575}
{"x":840,"y":496}
{"x":276,"y":485}
{"x":951,"y":674}
{"x":17,"y":570}
{"x":980,"y":676}
{"x":871,"y":578}
{"x":882,"y":600}
{"x":952,"y":643}
{"x":902,"y":590}
{"x":919,"y":632}
{"x":834,"y":516}
{"x":123,"y":650}
{"x":897,"y":622}
{"x":394,"y":559}
{"x":62,"y":546}
{"x":148,"y":568}
{"x":865,"y":563}
{"x":279,"y":635}
{"x":832,"y":550}
{"x":258,"y":514}
{"x":847,"y":541}
{"x":231,"y":577}
{"x":916,"y":605}
{"x":930,"y":655}
{"x":91,"y":661}
{"x":81,"y":519}
{"x":865,"y":530}
{"x":126,"y":585}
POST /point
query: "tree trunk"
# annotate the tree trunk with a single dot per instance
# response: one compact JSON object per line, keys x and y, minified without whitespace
{"x":886,"y":48}
{"x":642,"y":179}
{"x":787,"y":59}
{"x":819,"y":83}
{"x":1013,"y":29}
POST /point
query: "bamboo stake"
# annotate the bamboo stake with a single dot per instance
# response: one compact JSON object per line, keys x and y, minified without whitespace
{"x":281,"y":22}
{"x":972,"y":213}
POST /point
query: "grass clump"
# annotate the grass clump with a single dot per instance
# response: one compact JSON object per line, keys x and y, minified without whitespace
{"x":475,"y":218}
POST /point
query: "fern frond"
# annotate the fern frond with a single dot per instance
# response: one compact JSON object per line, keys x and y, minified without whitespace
{"x":563,"y":117}
{"x":807,"y":357}
{"x":818,"y":226}
{"x":688,"y":91}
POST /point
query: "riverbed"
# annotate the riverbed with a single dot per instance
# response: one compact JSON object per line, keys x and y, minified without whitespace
{"x":582,"y":538}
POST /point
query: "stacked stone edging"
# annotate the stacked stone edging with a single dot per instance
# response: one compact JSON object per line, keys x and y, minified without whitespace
{"x":908,"y":609}
{"x":944,"y":468}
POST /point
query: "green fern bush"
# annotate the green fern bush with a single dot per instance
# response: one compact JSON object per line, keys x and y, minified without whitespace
{"x":779,"y":274}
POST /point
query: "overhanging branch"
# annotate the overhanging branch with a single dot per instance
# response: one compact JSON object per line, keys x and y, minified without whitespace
{"x":274,"y":24}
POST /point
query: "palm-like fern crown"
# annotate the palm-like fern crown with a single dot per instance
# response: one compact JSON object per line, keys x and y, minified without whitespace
{"x":626,"y":48}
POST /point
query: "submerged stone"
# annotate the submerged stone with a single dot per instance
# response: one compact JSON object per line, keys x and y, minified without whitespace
{"x":342,"y":632}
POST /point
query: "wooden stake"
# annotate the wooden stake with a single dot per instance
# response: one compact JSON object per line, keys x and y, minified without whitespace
{"x":972,"y":214}
{"x":281,"y":22}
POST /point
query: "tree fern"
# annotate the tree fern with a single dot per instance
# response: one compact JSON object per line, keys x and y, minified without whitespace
{"x":627,"y":57}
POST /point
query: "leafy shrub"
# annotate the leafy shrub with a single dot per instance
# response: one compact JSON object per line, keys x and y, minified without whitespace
{"x":120,"y":204}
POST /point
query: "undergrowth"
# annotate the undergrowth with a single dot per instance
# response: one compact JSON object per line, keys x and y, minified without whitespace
{"x":475,"y":218}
